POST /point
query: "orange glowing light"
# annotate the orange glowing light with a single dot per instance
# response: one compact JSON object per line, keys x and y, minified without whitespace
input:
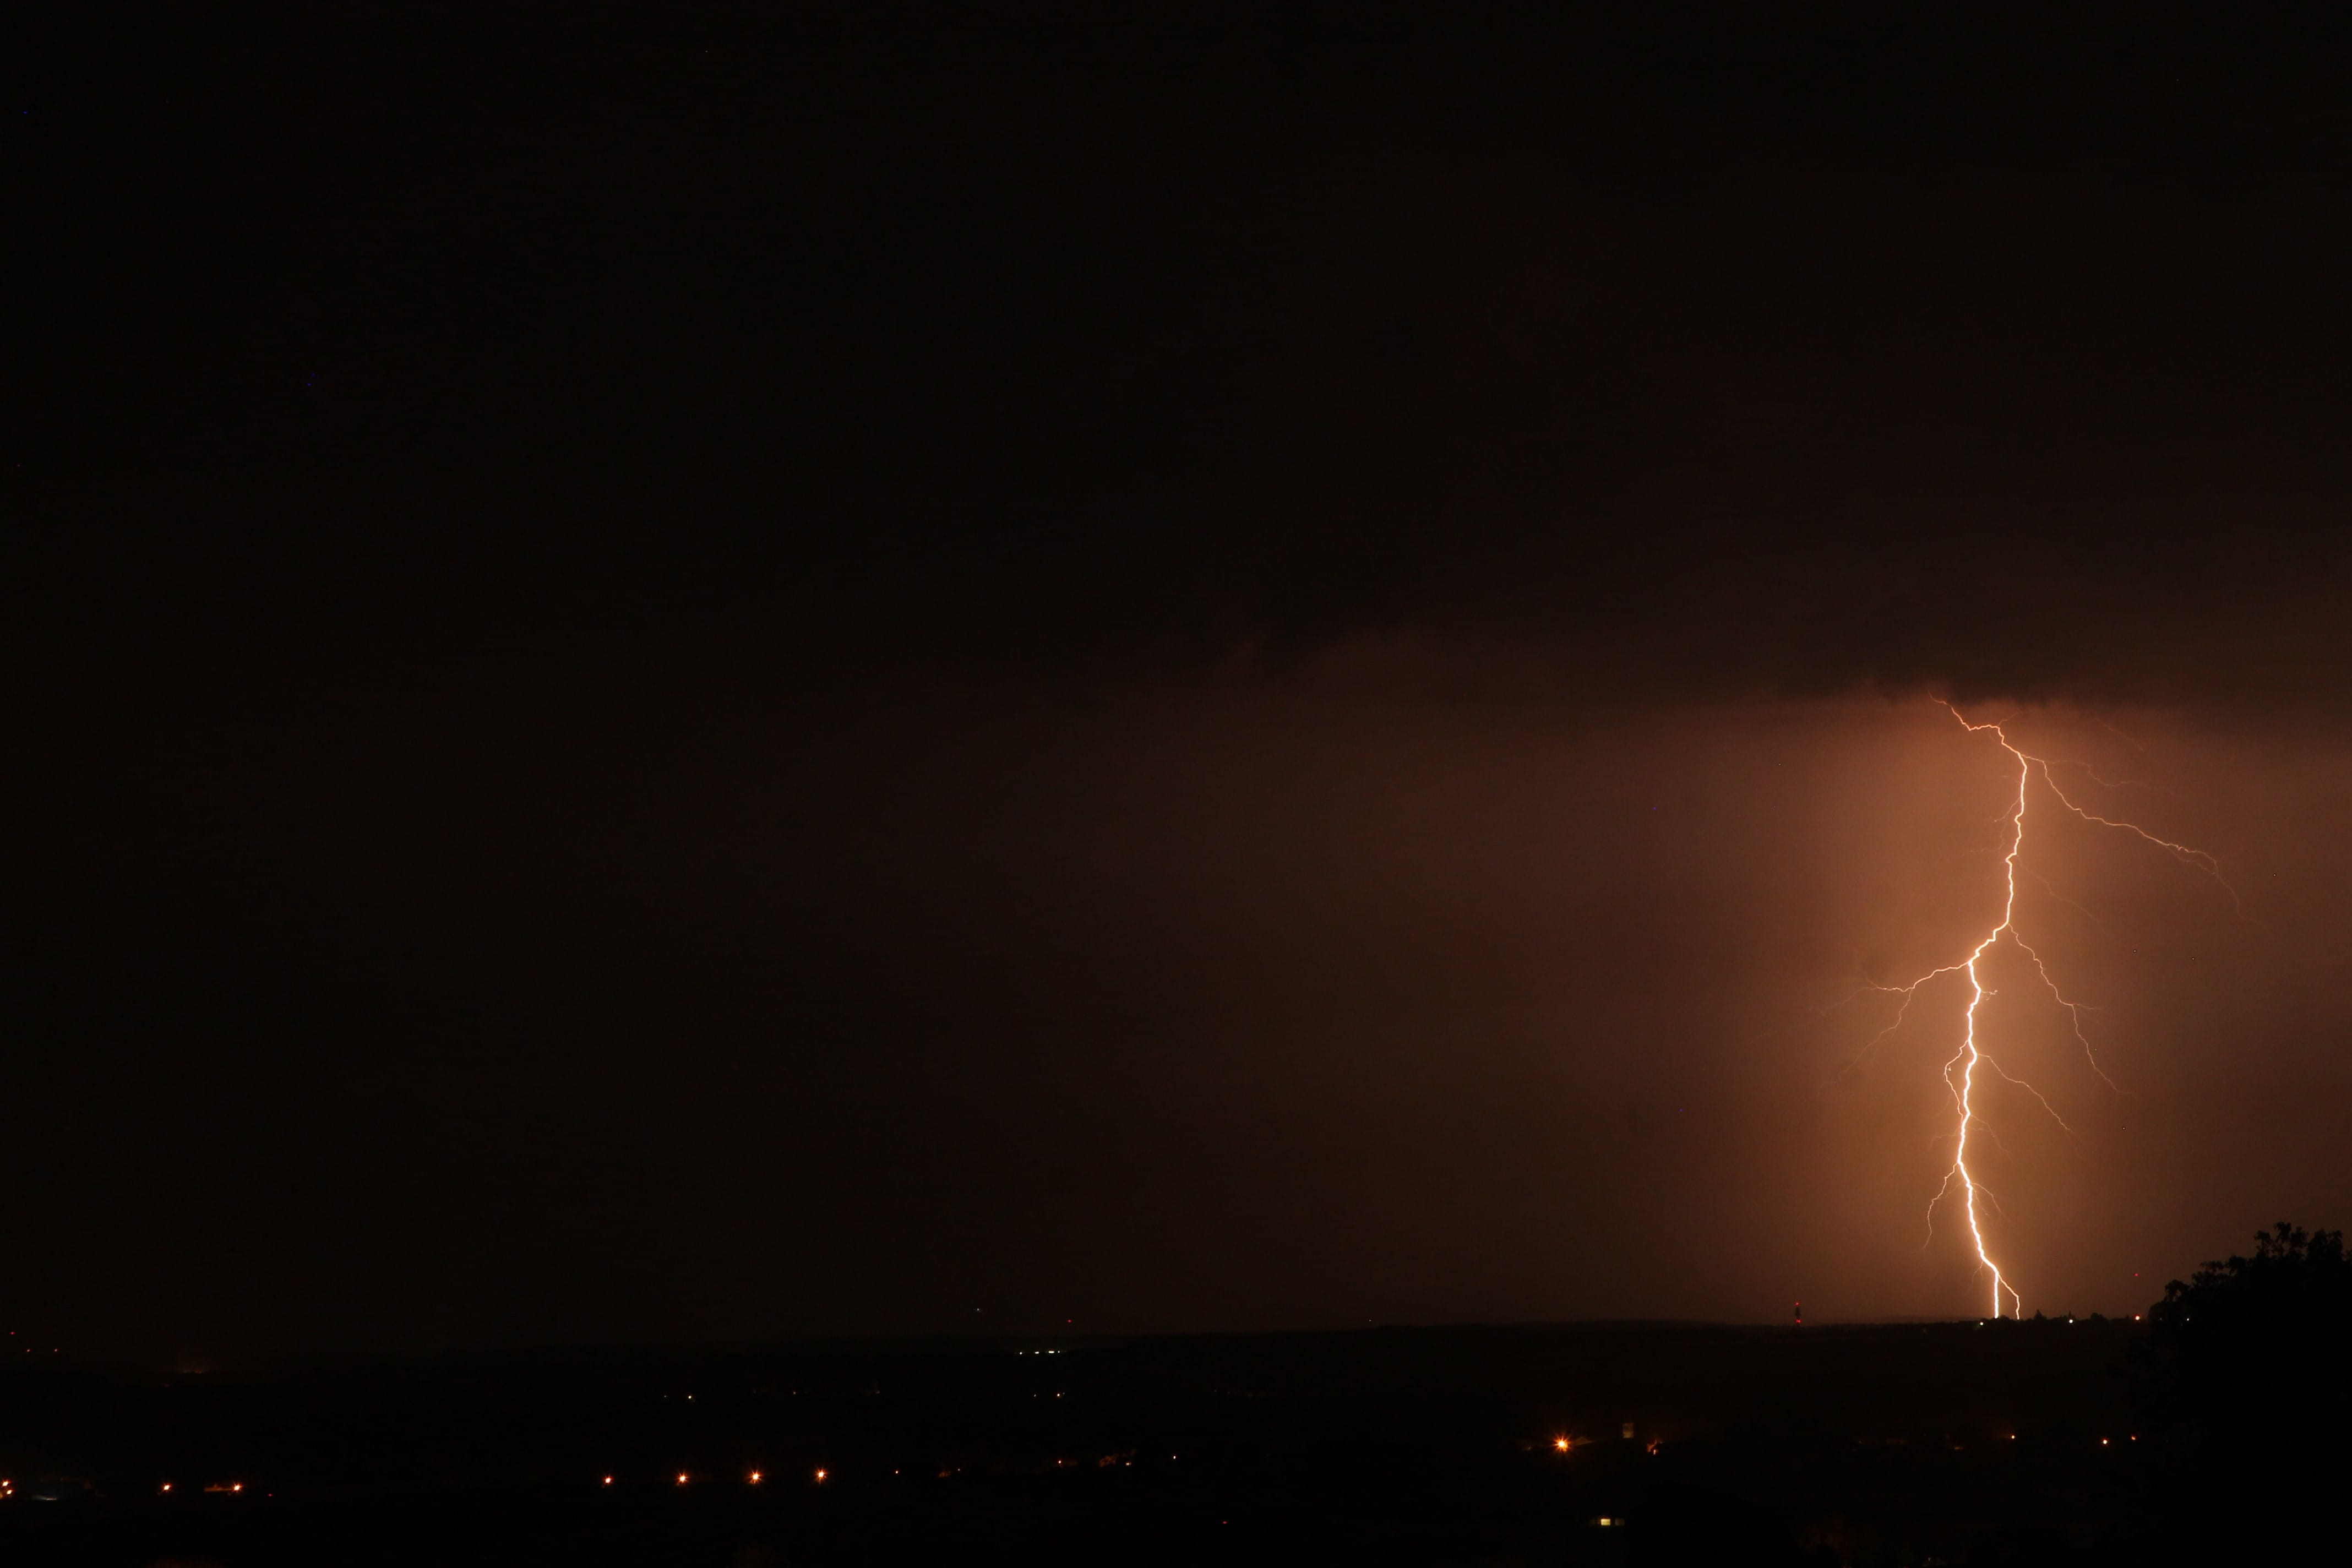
{"x":1560,"y":1443}
{"x":755,"y":1477}
{"x":820,"y":1475}
{"x":608,"y":1480}
{"x":236,"y":1487}
{"x":167,"y":1486}
{"x":1971,"y":1054}
{"x":681,"y":1478}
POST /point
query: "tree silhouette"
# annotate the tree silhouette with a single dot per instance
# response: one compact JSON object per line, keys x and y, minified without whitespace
{"x":2259,"y":1347}
{"x":2247,"y":1391}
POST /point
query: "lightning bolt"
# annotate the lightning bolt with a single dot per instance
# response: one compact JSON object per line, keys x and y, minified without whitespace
{"x":1962,"y":1073}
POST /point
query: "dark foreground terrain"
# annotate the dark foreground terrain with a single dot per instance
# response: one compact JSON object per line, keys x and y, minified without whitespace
{"x":1909,"y":1444}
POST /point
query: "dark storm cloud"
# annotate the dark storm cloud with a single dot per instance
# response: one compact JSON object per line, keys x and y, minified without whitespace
{"x":1801,"y":346}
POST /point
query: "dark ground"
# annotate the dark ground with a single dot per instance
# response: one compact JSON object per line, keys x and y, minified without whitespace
{"x":1897,"y":1444}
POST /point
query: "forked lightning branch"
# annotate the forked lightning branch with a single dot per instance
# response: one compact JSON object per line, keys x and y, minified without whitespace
{"x":1964,"y":1073}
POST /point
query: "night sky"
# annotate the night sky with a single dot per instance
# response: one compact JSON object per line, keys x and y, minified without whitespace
{"x":873,"y":669}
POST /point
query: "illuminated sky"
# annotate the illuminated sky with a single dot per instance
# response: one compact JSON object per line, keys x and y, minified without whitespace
{"x":888,"y":674}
